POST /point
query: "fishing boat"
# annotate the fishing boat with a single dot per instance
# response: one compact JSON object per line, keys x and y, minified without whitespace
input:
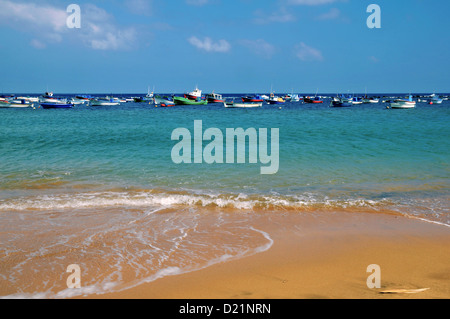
{"x":186,"y":101}
{"x":214,"y":98}
{"x":435,"y":99}
{"x":233,"y":104}
{"x":275,"y":99}
{"x":371,"y":100}
{"x":106,"y":101}
{"x":76,"y":101}
{"x":356,"y":100}
{"x":48,"y":98}
{"x":15,"y":103}
{"x":158,"y":100}
{"x":293,"y":97}
{"x":403,"y":103}
{"x":341,"y":101}
{"x":194,"y":95}
{"x":253,"y":99}
{"x":313,"y":100}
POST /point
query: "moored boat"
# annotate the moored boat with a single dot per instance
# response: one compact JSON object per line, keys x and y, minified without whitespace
{"x":233,"y":104}
{"x":194,"y":95}
{"x":214,"y":98}
{"x":313,"y":100}
{"x":435,"y":99}
{"x":186,"y":101}
{"x":403,"y":103}
{"x":341,"y":101}
{"x":253,"y":99}
{"x":106,"y":101}
{"x":15,"y":103}
{"x":158,"y":100}
{"x":275,"y":99}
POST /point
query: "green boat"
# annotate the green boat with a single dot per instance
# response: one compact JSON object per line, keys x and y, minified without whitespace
{"x":184,"y":101}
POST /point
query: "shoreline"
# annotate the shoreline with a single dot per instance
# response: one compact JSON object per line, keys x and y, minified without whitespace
{"x":319,"y":258}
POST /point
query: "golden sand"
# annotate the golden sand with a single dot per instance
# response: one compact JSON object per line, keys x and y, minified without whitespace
{"x":316,"y":256}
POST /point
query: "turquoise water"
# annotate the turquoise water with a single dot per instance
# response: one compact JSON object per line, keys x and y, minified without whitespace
{"x":86,"y":165}
{"x":366,"y":152}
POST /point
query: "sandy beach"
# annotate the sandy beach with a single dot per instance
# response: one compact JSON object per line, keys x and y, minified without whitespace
{"x":321,"y":256}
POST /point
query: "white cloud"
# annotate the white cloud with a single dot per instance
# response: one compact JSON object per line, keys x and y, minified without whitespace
{"x":140,"y":7}
{"x":260,"y":47}
{"x":282,"y":15}
{"x":29,"y":15}
{"x":307,"y":53}
{"x":48,"y":24}
{"x":334,"y":13}
{"x":37,"y":44}
{"x":208,"y":45}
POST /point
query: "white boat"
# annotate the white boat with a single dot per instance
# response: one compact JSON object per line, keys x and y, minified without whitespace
{"x":230,"y":105}
{"x":28,"y":98}
{"x":76,"y":101}
{"x":106,"y":101}
{"x":15,"y":104}
{"x":435,"y":99}
{"x":194,"y":95}
{"x":403,"y":104}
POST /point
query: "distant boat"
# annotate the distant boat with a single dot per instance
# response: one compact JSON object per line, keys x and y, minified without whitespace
{"x":403,"y":103}
{"x":214,"y":98}
{"x":77,"y":101}
{"x":16,"y":103}
{"x":48,"y":98}
{"x":146,"y":99}
{"x":435,"y":99}
{"x":293,"y":97}
{"x":371,"y":100}
{"x":158,"y":100}
{"x":84,"y":98}
{"x":186,"y":101}
{"x":356,"y":100}
{"x":313,"y":100}
{"x":253,"y":99}
{"x":194,"y":95}
{"x":233,"y":104}
{"x":341,"y":101}
{"x":275,"y":99}
{"x":106,"y":101}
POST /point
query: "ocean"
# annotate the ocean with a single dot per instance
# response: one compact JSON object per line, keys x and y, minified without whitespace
{"x":98,"y":187}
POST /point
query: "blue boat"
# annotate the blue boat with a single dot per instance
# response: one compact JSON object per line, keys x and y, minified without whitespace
{"x":56,"y":106}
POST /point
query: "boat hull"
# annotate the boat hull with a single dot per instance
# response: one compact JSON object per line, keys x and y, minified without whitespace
{"x":402,"y":105}
{"x":185,"y":101}
{"x":56,"y":106}
{"x":243,"y":105}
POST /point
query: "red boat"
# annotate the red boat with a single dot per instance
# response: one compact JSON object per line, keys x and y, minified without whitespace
{"x":214,"y":98}
{"x":315,"y":100}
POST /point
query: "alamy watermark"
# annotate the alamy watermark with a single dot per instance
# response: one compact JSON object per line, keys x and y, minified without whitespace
{"x":190,"y":148}
{"x":374,"y":280}
{"x":74,"y":280}
{"x":374,"y":20}
{"x":74,"y":19}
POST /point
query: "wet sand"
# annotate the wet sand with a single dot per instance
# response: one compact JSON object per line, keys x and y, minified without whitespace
{"x":322,"y":256}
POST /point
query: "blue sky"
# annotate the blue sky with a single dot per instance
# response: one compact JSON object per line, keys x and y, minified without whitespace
{"x":230,"y":46}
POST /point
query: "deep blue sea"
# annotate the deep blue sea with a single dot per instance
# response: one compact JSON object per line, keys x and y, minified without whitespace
{"x":101,"y":181}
